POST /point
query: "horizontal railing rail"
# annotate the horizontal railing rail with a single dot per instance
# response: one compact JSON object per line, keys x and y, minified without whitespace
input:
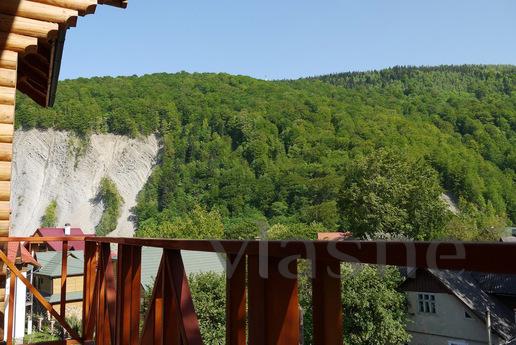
{"x":261,"y":288}
{"x":495,"y":257}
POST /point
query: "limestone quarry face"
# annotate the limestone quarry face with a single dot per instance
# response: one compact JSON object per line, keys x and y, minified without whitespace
{"x":47,"y":167}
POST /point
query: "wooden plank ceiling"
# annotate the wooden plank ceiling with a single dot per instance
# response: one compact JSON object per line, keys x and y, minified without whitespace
{"x":32,"y":34}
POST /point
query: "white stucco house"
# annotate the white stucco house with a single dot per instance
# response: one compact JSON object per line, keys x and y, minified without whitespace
{"x":456,"y":308}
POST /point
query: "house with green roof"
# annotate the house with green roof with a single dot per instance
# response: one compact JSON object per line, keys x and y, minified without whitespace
{"x":47,"y":279}
{"x":195,"y":262}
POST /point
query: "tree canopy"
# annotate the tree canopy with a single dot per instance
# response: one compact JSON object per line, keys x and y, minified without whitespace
{"x":265,"y":153}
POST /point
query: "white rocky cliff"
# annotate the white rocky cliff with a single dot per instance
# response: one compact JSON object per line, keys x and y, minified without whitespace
{"x":46,"y":168}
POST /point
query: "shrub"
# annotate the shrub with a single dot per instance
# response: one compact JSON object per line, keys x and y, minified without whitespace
{"x":112,"y":200}
{"x":49,"y":219}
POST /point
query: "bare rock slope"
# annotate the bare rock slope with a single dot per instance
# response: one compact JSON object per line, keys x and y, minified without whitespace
{"x":46,"y":168}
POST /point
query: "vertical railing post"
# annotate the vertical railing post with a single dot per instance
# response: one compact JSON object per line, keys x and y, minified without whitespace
{"x":235,"y":300}
{"x":176,"y":282}
{"x":327,"y":303}
{"x":10,"y":317}
{"x":64,"y":277}
{"x":90,"y":293}
{"x":128,"y":295}
{"x":257,"y":302}
{"x":105,"y":330}
{"x":274,"y":316}
{"x":171,"y":318}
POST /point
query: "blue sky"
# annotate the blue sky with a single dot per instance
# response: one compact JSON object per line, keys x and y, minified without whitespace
{"x":277,"y":39}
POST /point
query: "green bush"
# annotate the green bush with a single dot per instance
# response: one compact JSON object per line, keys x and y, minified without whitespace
{"x":374,"y":309}
{"x":49,"y":219}
{"x":209,"y":297}
{"x":197,"y":224}
{"x":112,"y":200}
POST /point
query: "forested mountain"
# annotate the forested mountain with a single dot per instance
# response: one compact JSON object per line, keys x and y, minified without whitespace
{"x":366,"y":152}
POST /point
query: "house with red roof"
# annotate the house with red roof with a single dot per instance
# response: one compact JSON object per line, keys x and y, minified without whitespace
{"x":20,"y":255}
{"x":56,"y":246}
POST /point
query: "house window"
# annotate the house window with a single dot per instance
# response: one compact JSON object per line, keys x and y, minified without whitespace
{"x":426,"y":303}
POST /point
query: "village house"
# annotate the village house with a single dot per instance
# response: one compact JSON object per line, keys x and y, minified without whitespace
{"x":47,"y":279}
{"x":44,"y":246}
{"x":460,"y":308}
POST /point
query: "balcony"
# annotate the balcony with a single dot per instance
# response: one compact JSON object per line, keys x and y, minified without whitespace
{"x":262,"y":291}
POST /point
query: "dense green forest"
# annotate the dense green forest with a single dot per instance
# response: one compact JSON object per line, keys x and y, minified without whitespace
{"x":369,"y":152}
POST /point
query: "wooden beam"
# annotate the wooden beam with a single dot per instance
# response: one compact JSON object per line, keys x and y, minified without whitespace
{"x":257,"y":299}
{"x":178,"y":282}
{"x":5,"y":210}
{"x":128,"y":295}
{"x":4,"y":226}
{"x":6,"y":133}
{"x":327,"y":304}
{"x":7,"y":77}
{"x":105,"y":332}
{"x":10,"y":317}
{"x":7,"y":95}
{"x":18,"y":43}
{"x":86,"y":6}
{"x":148,"y":333}
{"x":39,"y":296}
{"x":274,"y":316}
{"x":38,"y":61}
{"x":7,"y":113}
{"x":116,"y":3}
{"x":64,"y":278}
{"x":27,"y":88}
{"x":28,"y":72}
{"x":6,"y":152}
{"x":8,"y":59}
{"x":28,"y":27}
{"x":236,"y":316}
{"x":36,"y":10}
{"x":5,"y":190}
{"x":5,"y":171}
{"x":90,"y":293}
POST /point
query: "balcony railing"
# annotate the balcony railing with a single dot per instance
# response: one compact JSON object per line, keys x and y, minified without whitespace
{"x":262,"y":286}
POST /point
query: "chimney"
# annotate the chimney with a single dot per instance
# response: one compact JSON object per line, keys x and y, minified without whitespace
{"x":67,"y":229}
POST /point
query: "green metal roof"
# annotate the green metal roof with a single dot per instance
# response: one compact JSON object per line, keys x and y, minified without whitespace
{"x":51,"y":263}
{"x":70,"y":296}
{"x":195,"y":262}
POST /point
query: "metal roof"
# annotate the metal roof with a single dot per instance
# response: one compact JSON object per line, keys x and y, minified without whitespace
{"x":60,"y":232}
{"x":195,"y":262}
{"x":51,"y":263}
{"x":465,"y":287}
{"x":70,"y":297}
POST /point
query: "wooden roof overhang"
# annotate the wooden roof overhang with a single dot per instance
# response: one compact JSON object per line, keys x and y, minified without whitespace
{"x":32,"y":34}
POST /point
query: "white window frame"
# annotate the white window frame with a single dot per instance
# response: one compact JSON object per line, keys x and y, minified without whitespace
{"x":426,"y":303}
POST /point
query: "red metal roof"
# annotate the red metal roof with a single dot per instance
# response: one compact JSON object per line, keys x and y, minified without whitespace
{"x":16,"y":251}
{"x":59,"y":232}
{"x":334,"y":236}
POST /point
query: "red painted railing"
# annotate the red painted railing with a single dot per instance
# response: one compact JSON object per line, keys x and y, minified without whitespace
{"x":262,"y":291}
